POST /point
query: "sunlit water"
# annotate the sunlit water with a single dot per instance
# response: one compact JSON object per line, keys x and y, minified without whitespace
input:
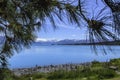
{"x":60,"y":54}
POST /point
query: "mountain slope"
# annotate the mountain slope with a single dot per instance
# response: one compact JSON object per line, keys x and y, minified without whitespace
{"x":74,"y":42}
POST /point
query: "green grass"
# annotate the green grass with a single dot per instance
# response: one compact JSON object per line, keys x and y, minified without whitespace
{"x":116,"y":78}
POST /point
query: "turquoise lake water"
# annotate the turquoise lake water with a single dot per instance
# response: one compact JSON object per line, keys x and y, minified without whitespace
{"x":60,"y":54}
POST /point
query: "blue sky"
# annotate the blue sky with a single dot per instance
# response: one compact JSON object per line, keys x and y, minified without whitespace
{"x":63,"y":31}
{"x":67,"y":30}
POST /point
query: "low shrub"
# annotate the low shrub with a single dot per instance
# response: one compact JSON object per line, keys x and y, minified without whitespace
{"x":106,"y":73}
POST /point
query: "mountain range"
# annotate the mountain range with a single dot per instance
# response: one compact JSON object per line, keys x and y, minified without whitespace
{"x":70,"y":42}
{"x":62,"y":42}
{"x":74,"y":42}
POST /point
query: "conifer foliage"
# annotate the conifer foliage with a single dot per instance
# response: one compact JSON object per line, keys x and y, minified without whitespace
{"x":20,"y":19}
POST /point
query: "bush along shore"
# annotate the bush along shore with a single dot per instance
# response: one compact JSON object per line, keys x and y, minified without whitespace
{"x":88,"y":71}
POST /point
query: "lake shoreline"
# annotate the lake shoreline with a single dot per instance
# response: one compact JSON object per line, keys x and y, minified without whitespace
{"x":94,"y":70}
{"x":52,"y":68}
{"x":48,"y":68}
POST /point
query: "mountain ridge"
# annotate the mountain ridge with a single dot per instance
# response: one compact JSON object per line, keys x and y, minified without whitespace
{"x":75,"y":42}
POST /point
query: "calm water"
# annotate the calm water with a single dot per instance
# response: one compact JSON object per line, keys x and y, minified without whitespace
{"x":59,"y":54}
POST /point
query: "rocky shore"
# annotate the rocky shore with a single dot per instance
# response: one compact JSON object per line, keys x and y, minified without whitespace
{"x":49,"y":68}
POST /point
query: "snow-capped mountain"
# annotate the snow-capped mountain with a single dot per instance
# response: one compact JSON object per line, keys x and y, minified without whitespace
{"x":61,"y":42}
{"x":74,"y":42}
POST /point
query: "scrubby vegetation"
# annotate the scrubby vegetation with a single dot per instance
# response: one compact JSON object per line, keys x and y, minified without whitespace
{"x":96,"y":71}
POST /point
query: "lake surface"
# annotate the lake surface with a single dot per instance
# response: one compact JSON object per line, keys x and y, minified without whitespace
{"x":60,"y":54}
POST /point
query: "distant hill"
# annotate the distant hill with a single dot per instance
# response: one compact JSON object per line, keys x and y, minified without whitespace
{"x":69,"y":42}
{"x":74,"y":42}
{"x":62,"y":42}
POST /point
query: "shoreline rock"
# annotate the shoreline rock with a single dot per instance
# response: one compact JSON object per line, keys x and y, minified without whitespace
{"x":49,"y":68}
